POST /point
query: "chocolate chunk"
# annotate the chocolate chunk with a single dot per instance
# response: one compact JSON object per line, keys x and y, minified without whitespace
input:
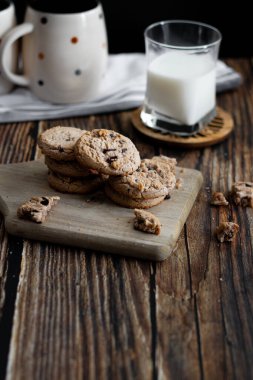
{"x":44,"y":201}
{"x":111,"y":159}
{"x":109,"y":150}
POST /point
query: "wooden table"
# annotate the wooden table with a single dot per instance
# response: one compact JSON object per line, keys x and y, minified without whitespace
{"x":75,"y":314}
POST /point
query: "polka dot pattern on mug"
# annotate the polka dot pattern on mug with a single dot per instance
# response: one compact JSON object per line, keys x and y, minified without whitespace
{"x":41,"y":55}
{"x":74,"y":40}
{"x":43,"y":20}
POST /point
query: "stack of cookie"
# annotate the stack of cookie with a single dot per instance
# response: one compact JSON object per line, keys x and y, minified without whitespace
{"x":80,"y":161}
{"x":65,"y":173}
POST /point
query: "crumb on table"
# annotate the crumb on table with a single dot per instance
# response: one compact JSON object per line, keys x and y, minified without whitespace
{"x":242,"y":193}
{"x":226,"y":231}
{"x":218,"y":199}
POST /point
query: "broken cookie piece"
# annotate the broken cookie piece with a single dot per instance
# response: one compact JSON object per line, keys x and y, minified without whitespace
{"x":226,"y":231}
{"x":37,"y":208}
{"x":147,"y":222}
{"x":218,"y":199}
{"x":242,"y":193}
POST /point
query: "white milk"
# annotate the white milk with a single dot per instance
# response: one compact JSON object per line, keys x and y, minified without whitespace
{"x":182,"y":86}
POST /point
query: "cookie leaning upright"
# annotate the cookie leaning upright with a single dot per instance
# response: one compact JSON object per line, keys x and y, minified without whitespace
{"x":146,"y":187}
{"x":108,"y":152}
{"x":58,"y":142}
{"x":152,"y":179}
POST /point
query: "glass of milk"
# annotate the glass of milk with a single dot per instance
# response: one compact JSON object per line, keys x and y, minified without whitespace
{"x":180,"y":94}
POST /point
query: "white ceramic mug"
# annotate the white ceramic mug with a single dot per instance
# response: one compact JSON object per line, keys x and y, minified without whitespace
{"x":7,"y":21}
{"x":64,"y":55}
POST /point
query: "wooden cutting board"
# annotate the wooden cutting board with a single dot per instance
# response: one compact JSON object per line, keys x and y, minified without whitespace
{"x":93,"y":221}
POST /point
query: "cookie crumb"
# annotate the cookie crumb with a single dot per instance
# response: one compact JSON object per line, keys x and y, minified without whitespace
{"x":226,"y":231}
{"x":147,"y":222}
{"x":102,"y":132}
{"x":218,"y":199}
{"x":37,"y":208}
{"x":179,"y":183}
{"x":242,"y":193}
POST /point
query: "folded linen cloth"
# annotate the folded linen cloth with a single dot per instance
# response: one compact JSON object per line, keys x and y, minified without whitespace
{"x":123,"y":87}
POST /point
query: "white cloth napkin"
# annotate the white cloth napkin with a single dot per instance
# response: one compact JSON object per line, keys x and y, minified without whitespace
{"x":123,"y":87}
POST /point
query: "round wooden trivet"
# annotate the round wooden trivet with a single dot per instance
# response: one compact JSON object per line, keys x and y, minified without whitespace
{"x":216,"y":131}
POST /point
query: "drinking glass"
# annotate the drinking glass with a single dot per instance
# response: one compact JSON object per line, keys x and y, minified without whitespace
{"x":180,"y":94}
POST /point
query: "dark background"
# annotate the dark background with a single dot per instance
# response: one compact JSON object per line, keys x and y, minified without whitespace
{"x":126,"y":21}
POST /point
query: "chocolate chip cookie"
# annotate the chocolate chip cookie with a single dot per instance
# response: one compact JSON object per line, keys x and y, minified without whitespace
{"x":151,"y":180}
{"x":129,"y":202}
{"x":108,"y":152}
{"x":73,"y":185}
{"x":58,"y":142}
{"x":67,"y":168}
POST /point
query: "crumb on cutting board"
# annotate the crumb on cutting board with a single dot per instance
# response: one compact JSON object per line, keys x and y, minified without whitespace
{"x":37,"y":208}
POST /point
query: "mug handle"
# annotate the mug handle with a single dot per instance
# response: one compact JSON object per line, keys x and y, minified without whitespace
{"x":8,"y":39}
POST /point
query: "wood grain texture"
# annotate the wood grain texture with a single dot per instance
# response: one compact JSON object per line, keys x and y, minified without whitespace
{"x":16,"y":145}
{"x":93,"y":221}
{"x":80,"y":314}
{"x":3,"y":263}
{"x":17,"y":142}
{"x":81,"y":323}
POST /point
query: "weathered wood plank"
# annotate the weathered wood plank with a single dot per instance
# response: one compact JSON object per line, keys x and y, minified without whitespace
{"x":3,"y":263}
{"x":17,"y":144}
{"x":176,"y":335}
{"x":223,"y":301}
{"x":221,"y":275}
{"x":80,"y":314}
